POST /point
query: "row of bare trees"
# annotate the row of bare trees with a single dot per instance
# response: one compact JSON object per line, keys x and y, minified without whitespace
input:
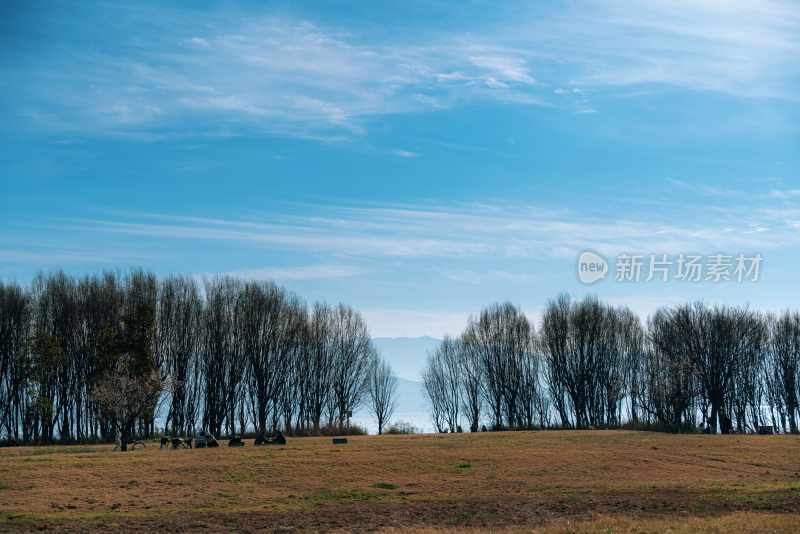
{"x":58,"y":340}
{"x":726,"y":369}
{"x":94,"y":357}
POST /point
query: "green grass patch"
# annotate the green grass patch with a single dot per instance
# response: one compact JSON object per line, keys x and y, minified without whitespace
{"x":385,"y":485}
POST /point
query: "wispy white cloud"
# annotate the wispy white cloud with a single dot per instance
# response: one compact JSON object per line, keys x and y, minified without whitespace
{"x":51,"y":258}
{"x":278,"y":74}
{"x":731,"y":192}
{"x":473,"y":277}
{"x":503,"y":67}
{"x":296,"y":273}
{"x":733,"y":47}
{"x":408,"y":154}
{"x":784,"y":194}
{"x":486,"y":230}
{"x":307,"y":235}
{"x":216,"y":72}
{"x":46,"y":253}
{"x":199,"y":41}
{"x":704,"y":189}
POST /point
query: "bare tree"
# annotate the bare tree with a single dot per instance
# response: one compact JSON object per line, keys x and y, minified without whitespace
{"x":102,"y":298}
{"x":137,"y":332}
{"x":669,"y":375}
{"x":631,"y":344}
{"x":583,"y":359}
{"x":15,"y":316}
{"x":783,"y":371}
{"x":433,"y":383}
{"x":442,"y":381}
{"x":500,"y":337}
{"x":750,"y":346}
{"x":126,"y":393}
{"x":178,"y":348}
{"x":531,"y":396}
{"x":716,"y":341}
{"x":554,"y":342}
{"x":382,"y":392}
{"x":270,"y":324}
{"x":471,"y":372}
{"x":352,"y":356}
{"x":221,"y":355}
{"x":319,"y":354}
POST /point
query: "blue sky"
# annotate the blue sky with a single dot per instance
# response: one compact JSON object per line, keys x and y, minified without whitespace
{"x":417,"y":160}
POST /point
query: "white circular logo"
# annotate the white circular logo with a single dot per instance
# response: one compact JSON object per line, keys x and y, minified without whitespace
{"x":592,"y":267}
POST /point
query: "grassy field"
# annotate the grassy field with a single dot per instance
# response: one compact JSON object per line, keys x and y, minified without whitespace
{"x":550,"y":481}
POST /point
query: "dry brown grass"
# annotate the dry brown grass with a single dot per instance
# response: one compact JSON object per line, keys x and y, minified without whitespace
{"x":548,"y":481}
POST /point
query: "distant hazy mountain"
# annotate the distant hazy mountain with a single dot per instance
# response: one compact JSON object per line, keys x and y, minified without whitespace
{"x":406,"y":355}
{"x":411,"y":408}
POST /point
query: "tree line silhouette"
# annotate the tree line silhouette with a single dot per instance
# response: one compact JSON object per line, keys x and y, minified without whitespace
{"x":89,"y":358}
{"x":93,"y":357}
{"x":723,"y":368}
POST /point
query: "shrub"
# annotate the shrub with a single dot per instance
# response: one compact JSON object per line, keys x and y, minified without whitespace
{"x":333,"y":430}
{"x":401,"y":427}
{"x":684,"y":428}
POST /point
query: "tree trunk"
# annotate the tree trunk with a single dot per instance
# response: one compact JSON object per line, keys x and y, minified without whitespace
{"x":792,"y":422}
{"x":712,"y":422}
